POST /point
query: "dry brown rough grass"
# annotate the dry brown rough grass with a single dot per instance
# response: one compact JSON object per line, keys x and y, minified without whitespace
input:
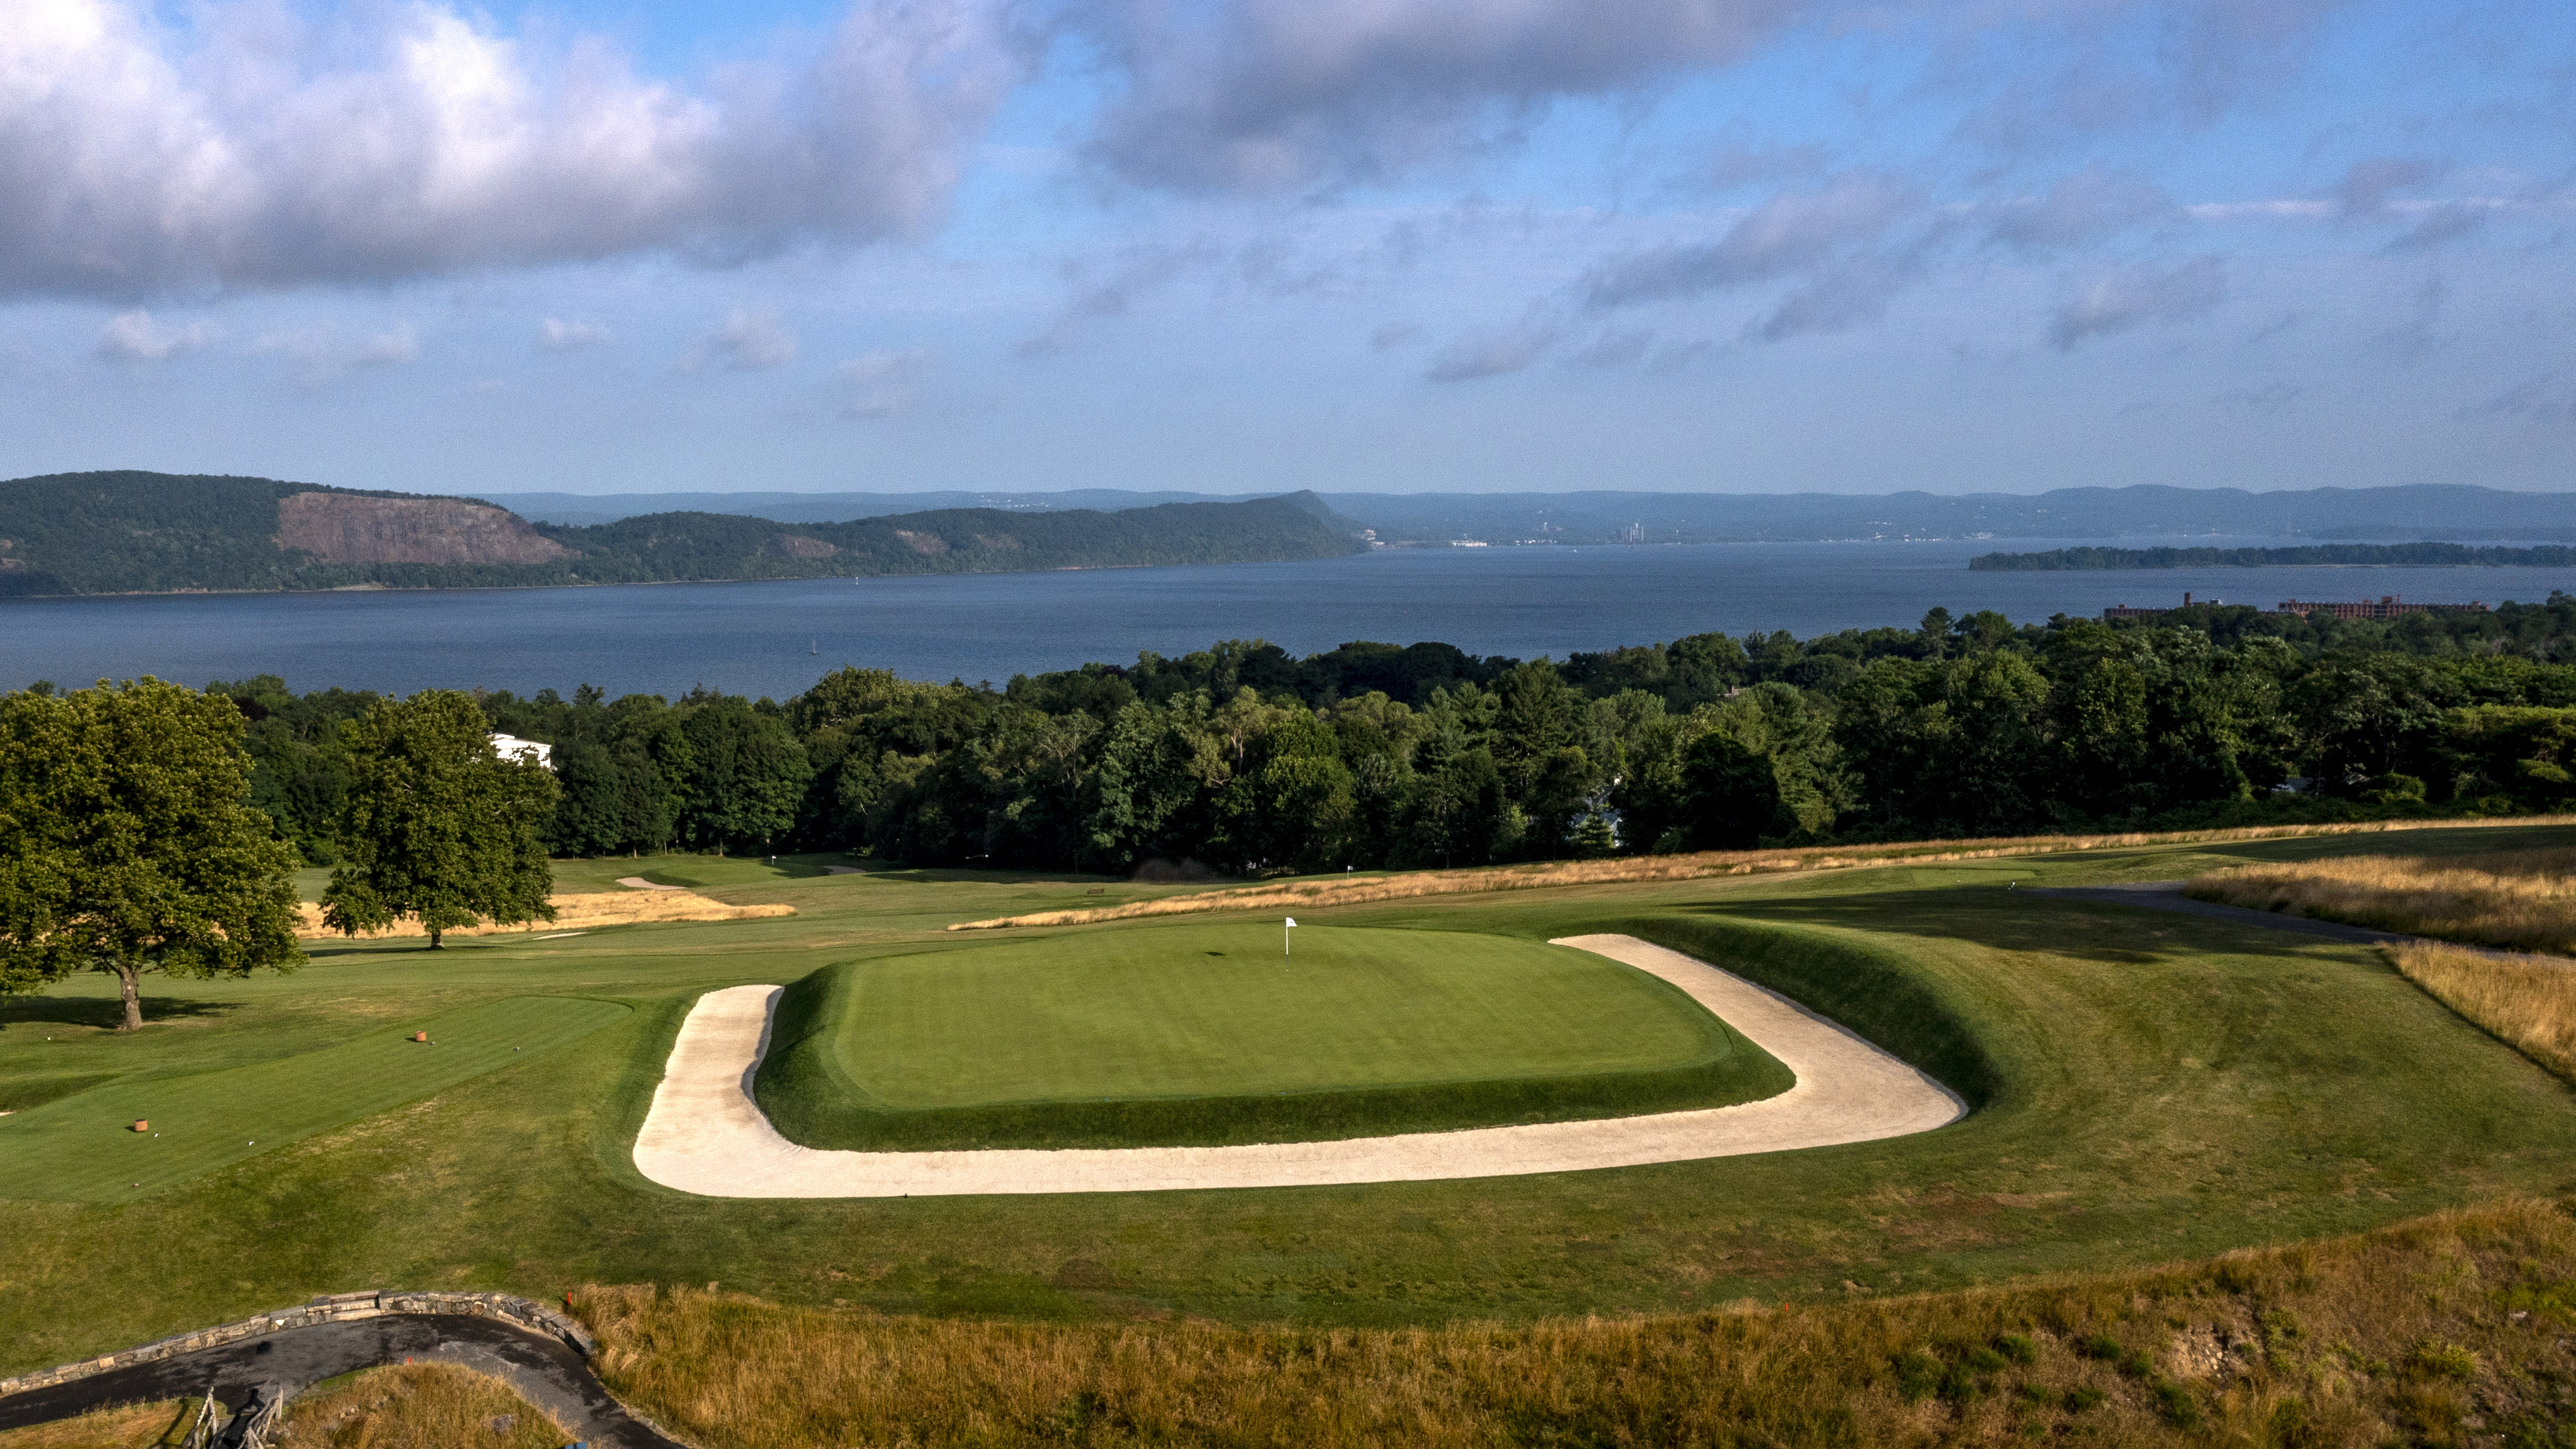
{"x":2528,"y":1001}
{"x":420,"y":1406}
{"x":2520,"y":900}
{"x":576,"y":913}
{"x":129,"y":1426}
{"x":2434,"y":1332}
{"x":1317,"y":892}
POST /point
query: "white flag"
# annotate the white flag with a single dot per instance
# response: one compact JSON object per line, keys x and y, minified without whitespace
{"x":1292,"y":920}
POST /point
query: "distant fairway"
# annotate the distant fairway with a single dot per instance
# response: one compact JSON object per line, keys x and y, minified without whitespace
{"x":80,"y":1148}
{"x":1204,"y":1034}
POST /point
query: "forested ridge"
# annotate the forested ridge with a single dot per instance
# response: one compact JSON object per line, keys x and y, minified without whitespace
{"x":1251,"y":760}
{"x":97,"y":533}
{"x":2438,"y":555}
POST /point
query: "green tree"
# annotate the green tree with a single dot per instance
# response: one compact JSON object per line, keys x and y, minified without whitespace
{"x":128,"y":844}
{"x":439,"y":827}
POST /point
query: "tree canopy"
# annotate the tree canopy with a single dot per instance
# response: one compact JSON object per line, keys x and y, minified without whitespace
{"x":128,"y":844}
{"x":437,"y":826}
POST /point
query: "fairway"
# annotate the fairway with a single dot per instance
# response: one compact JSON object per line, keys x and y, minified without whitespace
{"x":81,"y":1148}
{"x":1205,"y":1033}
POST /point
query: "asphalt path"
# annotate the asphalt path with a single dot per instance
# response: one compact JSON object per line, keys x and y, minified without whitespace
{"x":545,"y":1371}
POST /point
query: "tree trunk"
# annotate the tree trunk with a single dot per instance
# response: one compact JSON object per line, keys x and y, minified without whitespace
{"x":434,"y":934}
{"x":129,"y":983}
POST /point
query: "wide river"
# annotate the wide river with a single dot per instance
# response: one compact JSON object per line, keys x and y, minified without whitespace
{"x":775,"y":638}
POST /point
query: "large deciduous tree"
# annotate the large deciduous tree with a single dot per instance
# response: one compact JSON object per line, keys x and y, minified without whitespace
{"x":128,"y":844}
{"x":439,"y":827}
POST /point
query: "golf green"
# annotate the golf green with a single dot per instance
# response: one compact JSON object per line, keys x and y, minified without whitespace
{"x":1210,"y":1033}
{"x":82,"y":1148}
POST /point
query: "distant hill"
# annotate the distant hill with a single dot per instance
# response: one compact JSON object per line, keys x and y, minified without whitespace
{"x":2431,"y":511}
{"x":129,"y":532}
{"x":2347,"y":555}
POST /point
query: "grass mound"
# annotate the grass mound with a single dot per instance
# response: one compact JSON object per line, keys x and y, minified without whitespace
{"x":81,"y":1148}
{"x":2520,"y":900}
{"x":1204,"y":1035}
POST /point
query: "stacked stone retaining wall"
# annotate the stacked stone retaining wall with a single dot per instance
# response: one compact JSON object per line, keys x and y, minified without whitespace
{"x":330,"y":1308}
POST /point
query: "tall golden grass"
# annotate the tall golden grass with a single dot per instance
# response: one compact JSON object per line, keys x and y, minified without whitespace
{"x":575,"y":913}
{"x":421,"y":1406}
{"x":1318,"y":892}
{"x":2520,"y":900}
{"x":127,"y":1426}
{"x":2391,"y":1337}
{"x":2527,"y":1001}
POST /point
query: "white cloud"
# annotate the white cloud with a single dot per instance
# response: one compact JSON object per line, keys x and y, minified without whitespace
{"x":556,"y":335}
{"x":1491,"y":354}
{"x":1265,"y":94}
{"x":2123,"y":297}
{"x":321,"y":353}
{"x":881,"y":384}
{"x":747,"y":342}
{"x":388,"y":348}
{"x":1794,"y":231}
{"x":411,"y":139}
{"x":135,"y":337}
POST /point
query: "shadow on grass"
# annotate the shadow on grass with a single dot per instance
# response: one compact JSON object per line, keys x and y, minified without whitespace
{"x":2004,"y":920}
{"x":103,"y":1013}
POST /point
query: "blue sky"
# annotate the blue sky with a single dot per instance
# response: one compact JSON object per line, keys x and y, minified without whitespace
{"x":1238,"y":245}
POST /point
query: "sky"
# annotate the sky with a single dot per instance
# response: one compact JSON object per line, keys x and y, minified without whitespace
{"x":1247,"y":245}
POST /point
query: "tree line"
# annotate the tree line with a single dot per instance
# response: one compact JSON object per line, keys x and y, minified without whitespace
{"x":129,"y":844}
{"x":1252,"y":760}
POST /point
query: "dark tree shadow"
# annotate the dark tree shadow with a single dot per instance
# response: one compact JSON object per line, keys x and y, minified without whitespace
{"x":2007,"y":920}
{"x":105,"y":1014}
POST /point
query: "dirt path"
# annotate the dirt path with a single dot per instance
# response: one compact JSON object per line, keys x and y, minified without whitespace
{"x":705,"y":1134}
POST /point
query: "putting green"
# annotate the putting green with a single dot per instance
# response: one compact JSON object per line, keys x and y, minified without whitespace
{"x":82,"y":1148}
{"x":1205,"y":1034}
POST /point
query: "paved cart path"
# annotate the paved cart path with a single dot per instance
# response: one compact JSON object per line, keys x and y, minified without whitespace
{"x":706,"y":1135}
{"x":544,"y":1371}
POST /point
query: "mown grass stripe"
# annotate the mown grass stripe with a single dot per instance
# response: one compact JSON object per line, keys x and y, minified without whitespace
{"x":81,"y":1148}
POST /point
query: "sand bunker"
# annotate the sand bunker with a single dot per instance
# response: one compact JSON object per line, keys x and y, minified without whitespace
{"x":575,"y":913}
{"x":706,"y":1135}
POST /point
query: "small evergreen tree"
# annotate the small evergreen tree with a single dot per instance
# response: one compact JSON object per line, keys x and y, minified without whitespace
{"x":439,"y":827}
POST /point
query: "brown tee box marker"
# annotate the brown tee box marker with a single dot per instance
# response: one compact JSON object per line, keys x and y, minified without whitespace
{"x":142,"y":1125}
{"x":420,"y":1036}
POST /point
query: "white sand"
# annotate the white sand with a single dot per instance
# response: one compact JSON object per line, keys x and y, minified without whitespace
{"x":637,"y":882}
{"x":706,"y":1135}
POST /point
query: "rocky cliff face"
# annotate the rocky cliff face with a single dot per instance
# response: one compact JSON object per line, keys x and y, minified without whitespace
{"x":342,"y":528}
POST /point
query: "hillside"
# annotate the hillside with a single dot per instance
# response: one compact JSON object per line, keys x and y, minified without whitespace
{"x":129,"y":532}
{"x":2346,"y":555}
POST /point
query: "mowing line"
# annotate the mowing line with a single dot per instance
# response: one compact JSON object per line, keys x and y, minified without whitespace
{"x":706,"y":1135}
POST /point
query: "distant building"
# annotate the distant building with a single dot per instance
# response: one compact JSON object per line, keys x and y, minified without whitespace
{"x":2389,"y":606}
{"x":2123,"y":611}
{"x":511,"y":747}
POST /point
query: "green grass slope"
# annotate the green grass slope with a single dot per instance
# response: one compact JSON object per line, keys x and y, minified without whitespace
{"x":82,"y":1147}
{"x":2156,"y":1088}
{"x":1203,"y":1034}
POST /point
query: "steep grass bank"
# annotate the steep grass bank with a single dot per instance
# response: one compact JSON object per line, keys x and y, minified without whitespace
{"x":2520,"y":900}
{"x":2430,"y":1333}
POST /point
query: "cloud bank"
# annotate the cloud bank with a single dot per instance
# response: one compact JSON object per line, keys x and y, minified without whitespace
{"x":247,"y":152}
